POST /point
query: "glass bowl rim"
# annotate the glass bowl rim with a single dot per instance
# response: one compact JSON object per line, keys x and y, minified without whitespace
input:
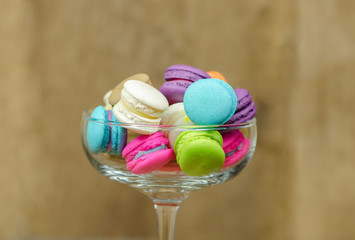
{"x":86,"y":116}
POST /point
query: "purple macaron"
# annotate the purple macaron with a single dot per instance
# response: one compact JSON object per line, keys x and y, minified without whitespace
{"x":174,"y":91}
{"x":184,"y":72}
{"x":178,"y":79}
{"x":246,"y":107}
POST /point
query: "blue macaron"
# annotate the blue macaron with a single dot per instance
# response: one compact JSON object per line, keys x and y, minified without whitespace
{"x":103,"y":135}
{"x":210,"y":102}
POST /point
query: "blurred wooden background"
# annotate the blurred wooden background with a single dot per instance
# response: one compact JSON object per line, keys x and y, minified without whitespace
{"x":297,"y":58}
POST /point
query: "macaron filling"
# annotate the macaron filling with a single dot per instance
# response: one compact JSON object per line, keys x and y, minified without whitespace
{"x":184,"y":72}
{"x":228,"y":154}
{"x":123,"y":114}
{"x":142,"y":153}
{"x":135,"y":111}
{"x":180,"y":82}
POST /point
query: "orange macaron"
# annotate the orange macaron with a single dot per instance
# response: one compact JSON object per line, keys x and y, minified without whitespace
{"x":218,"y":75}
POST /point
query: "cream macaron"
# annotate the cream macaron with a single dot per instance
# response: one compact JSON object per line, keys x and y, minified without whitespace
{"x":174,"y":115}
{"x":142,"y":104}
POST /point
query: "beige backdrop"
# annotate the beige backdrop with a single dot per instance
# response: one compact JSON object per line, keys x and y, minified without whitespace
{"x":296,"y":57}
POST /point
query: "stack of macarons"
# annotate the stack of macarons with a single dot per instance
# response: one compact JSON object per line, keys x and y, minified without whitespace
{"x":189,"y":96}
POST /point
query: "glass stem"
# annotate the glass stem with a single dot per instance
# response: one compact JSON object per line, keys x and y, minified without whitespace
{"x":166,"y":214}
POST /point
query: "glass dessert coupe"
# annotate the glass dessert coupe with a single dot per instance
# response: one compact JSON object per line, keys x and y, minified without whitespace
{"x":167,"y":187}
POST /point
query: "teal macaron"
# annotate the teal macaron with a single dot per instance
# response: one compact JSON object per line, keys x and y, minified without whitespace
{"x":199,"y":153}
{"x":210,"y":102}
{"x":102,"y":135}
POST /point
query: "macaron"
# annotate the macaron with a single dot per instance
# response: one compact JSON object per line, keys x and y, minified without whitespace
{"x":102,"y":135}
{"x":174,"y":90}
{"x":115,"y":96}
{"x":178,"y":79}
{"x":148,"y":153}
{"x":184,"y":72}
{"x":140,"y":103}
{"x":245,"y":110}
{"x":235,"y":146}
{"x":174,"y":115}
{"x":199,"y":153}
{"x":210,"y":102}
{"x":218,"y":75}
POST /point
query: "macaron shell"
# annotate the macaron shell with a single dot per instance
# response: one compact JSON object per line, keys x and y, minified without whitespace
{"x":134,"y":144}
{"x":243,"y":115}
{"x":143,"y":143}
{"x":184,"y":72}
{"x":172,"y":114}
{"x":146,"y":95}
{"x":115,"y":96}
{"x":151,"y":162}
{"x":238,"y":155}
{"x":184,"y":137}
{"x":147,"y":145}
{"x":210,"y":102}
{"x":218,"y":75}
{"x":231,"y":140}
{"x":174,"y":91}
{"x":97,"y":135}
{"x":244,"y":98}
{"x":201,"y":157}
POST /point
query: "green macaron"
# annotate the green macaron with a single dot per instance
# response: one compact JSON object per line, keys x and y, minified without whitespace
{"x":199,"y":153}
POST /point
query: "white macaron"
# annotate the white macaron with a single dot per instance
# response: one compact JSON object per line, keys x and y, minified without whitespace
{"x":140,"y":103}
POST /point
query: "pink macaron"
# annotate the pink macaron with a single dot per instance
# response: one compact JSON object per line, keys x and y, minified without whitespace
{"x":148,"y":153}
{"x":235,"y":146}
